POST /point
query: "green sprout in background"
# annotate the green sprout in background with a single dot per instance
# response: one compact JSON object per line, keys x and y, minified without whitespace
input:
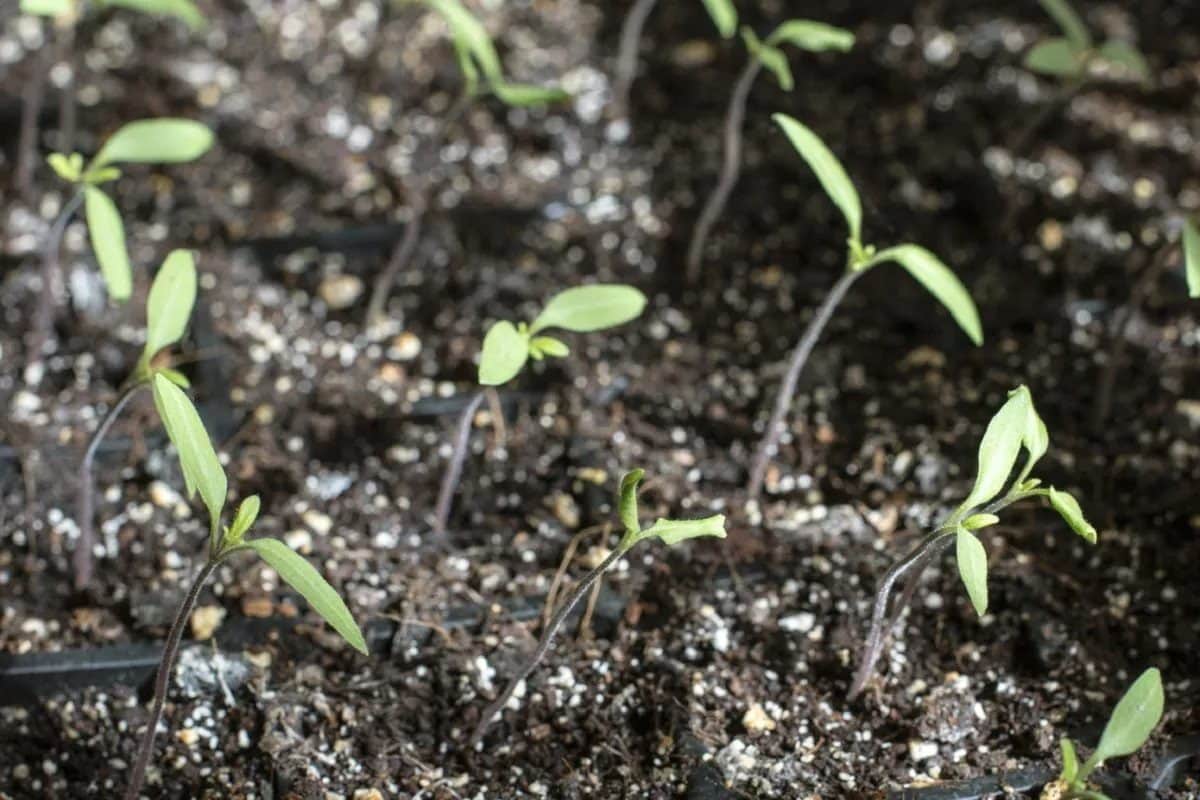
{"x":150,"y":141}
{"x":168,"y":309}
{"x":482,"y":74}
{"x":800,"y":33}
{"x":670,"y":531}
{"x":923,"y":265}
{"x":202,"y":473}
{"x":508,"y":347}
{"x":1132,"y":721}
{"x":1015,"y":427}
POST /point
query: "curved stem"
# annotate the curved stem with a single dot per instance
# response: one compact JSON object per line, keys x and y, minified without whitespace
{"x":162,"y":682}
{"x":462,"y":437}
{"x":44,"y":317}
{"x":543,"y":646}
{"x":731,"y":168}
{"x":787,"y":391}
{"x":32,"y":100}
{"x":82,"y":559}
{"x":627,"y":55}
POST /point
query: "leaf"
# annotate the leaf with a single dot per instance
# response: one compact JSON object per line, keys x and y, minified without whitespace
{"x":1191,"y":256}
{"x":627,"y":504}
{"x":724,"y":16}
{"x":1125,"y":55}
{"x":522,"y":95}
{"x":301,"y":576}
{"x":591,"y":308}
{"x":47,"y":8}
{"x":174,"y":376}
{"x":1068,"y":508}
{"x":941,"y":282}
{"x":201,"y":468}
{"x":183,"y":10}
{"x":1070,"y":761}
{"x":107,"y":233}
{"x":1132,"y":721}
{"x":549,"y":346}
{"x":828,"y":169}
{"x":1070,"y":23}
{"x":674,"y":531}
{"x":774,"y":59}
{"x":1035,"y":437}
{"x":810,"y":35}
{"x":998,"y":450}
{"x":247,"y":513}
{"x":69,"y":168}
{"x":169,"y":305}
{"x":505,"y":350}
{"x":1056,"y":57}
{"x":471,"y":36}
{"x":165,"y":140}
{"x":972,"y":567}
{"x":978,"y":521}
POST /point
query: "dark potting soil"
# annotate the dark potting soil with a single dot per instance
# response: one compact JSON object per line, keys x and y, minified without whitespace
{"x":697,"y":686}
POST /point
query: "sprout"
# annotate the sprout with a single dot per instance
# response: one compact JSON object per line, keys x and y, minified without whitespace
{"x":1071,"y":55}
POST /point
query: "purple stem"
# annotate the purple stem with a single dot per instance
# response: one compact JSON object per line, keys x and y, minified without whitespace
{"x":462,"y":437}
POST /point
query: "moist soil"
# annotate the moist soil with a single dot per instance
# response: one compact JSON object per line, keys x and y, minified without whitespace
{"x":721,"y":668}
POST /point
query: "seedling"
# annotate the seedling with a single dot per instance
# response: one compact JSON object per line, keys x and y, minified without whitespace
{"x":482,"y":74}
{"x":508,"y":347}
{"x":722,"y":12}
{"x":1015,"y":427}
{"x":923,"y":265}
{"x":670,"y":531}
{"x":202,"y":472}
{"x":1131,"y":723}
{"x":168,"y":309}
{"x":149,"y":141}
{"x":801,"y":33}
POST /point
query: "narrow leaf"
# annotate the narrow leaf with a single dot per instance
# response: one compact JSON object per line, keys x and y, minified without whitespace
{"x":1057,"y":58}
{"x":505,"y":350}
{"x":165,"y":140}
{"x":169,"y":305}
{"x":828,"y":169}
{"x":302,"y":577}
{"x":774,"y":59}
{"x":1070,"y":761}
{"x":1068,"y":508}
{"x":522,"y":95}
{"x":1191,"y":256}
{"x":549,"y":346}
{"x":674,"y":531}
{"x":1126,"y":56}
{"x":590,"y":308}
{"x":202,"y":469}
{"x":470,"y":35}
{"x":174,"y":376}
{"x":1069,"y":22}
{"x":941,"y":282}
{"x":183,"y":10}
{"x":1133,"y":720}
{"x":627,"y":502}
{"x":65,"y":167}
{"x":1035,"y":436}
{"x":46,"y":8}
{"x":978,"y":521}
{"x":724,"y":16}
{"x":247,"y":513}
{"x":107,"y":233}
{"x":810,"y":35}
{"x":972,"y":566}
{"x":998,"y":450}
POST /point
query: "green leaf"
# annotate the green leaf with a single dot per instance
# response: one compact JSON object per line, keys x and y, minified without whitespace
{"x":627,"y":502}
{"x":470,"y":35}
{"x":1056,"y":57}
{"x":548,"y":346}
{"x":1191,"y":256}
{"x":998,"y":450}
{"x":941,"y":282}
{"x":724,"y":16}
{"x":522,"y":95}
{"x":174,"y":376}
{"x":1070,"y":761}
{"x":47,"y":8}
{"x":1126,"y":56}
{"x":302,"y":577}
{"x":505,"y":350}
{"x":165,"y":140}
{"x":972,"y":566}
{"x":69,"y":168}
{"x":590,"y":308}
{"x":774,"y":59}
{"x":99,"y":175}
{"x":1070,"y":23}
{"x":247,"y":513}
{"x":674,"y":531}
{"x":1068,"y":508}
{"x":183,"y":10}
{"x":1132,"y":721}
{"x":201,"y":468}
{"x":810,"y":35}
{"x":828,"y":169}
{"x":469,"y":70}
{"x":107,"y":233}
{"x":978,"y":521}
{"x":169,"y":305}
{"x":1035,"y":437}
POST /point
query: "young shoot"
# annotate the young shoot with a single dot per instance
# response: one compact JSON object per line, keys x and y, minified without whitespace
{"x":508,"y":347}
{"x":722,"y":13}
{"x":1015,"y":427}
{"x":149,"y":141}
{"x":1132,"y":721}
{"x":1072,"y":55}
{"x":670,"y":531}
{"x":800,"y":33}
{"x":482,"y":74}
{"x":202,"y":472}
{"x":921,"y":264}
{"x":168,"y":309}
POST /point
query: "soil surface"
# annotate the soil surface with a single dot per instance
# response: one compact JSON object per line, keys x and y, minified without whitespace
{"x":723,"y":667}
